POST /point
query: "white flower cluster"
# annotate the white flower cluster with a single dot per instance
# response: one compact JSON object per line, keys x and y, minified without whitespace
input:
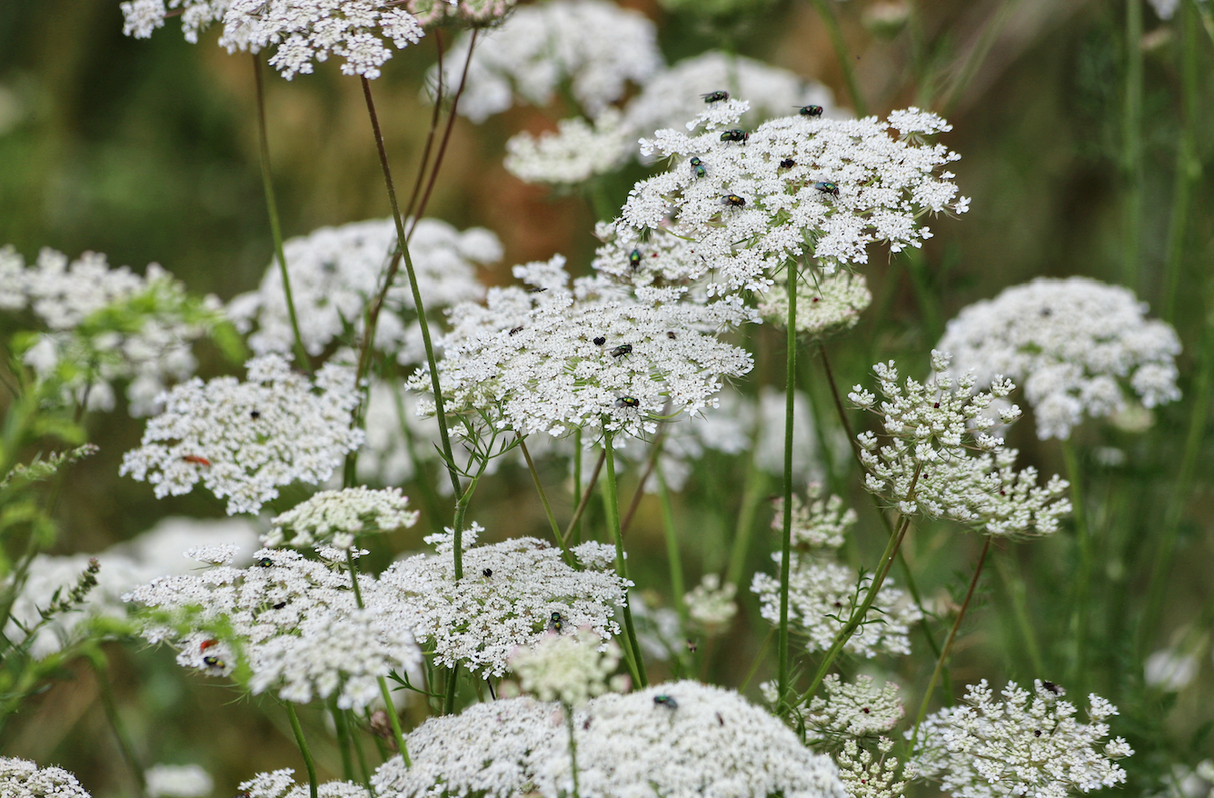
{"x":1028,"y":745}
{"x":511,"y":594}
{"x":710,"y":605}
{"x":156,"y":552}
{"x":822,"y":593}
{"x":303,"y":31}
{"x":178,"y":781}
{"x":553,"y":360}
{"x":336,"y":272}
{"x":281,"y":784}
{"x":1078,"y":346}
{"x":570,"y":669}
{"x":292,"y":622}
{"x":795,"y":186}
{"x":817,"y":523}
{"x":859,"y":709}
{"x":338,"y":517}
{"x":866,"y":775}
{"x":593,"y":47}
{"x":827,"y":304}
{"x":579,"y":150}
{"x":927,"y":467}
{"x":684,"y":739}
{"x":20,"y":778}
{"x":488,"y":749}
{"x":244,"y":440}
{"x":106,"y":324}
{"x":477,"y":12}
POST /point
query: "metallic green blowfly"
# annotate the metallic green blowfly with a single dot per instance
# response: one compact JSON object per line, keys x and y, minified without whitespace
{"x":265,"y":562}
{"x":665,"y":701}
{"x":827,"y":187}
{"x":734,"y":200}
{"x":621,"y":350}
{"x":634,"y":258}
{"x":556,"y":623}
{"x":811,"y":110}
{"x":628,"y":401}
{"x":715,"y":96}
{"x":735,"y":135}
{"x":213,"y":662}
{"x":697,"y":166}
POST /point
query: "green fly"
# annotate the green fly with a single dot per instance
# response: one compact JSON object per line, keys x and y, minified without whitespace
{"x":697,"y":166}
{"x":827,"y":187}
{"x":715,"y":96}
{"x":811,"y":110}
{"x":628,"y":401}
{"x":735,"y":135}
{"x":665,"y":701}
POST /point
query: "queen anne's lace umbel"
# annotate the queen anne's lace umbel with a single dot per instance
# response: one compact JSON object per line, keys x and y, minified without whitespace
{"x":1030,"y":745}
{"x":768,"y":197}
{"x":281,"y":784}
{"x":1078,"y":346}
{"x":301,"y":31}
{"x":338,"y":517}
{"x":244,"y":440}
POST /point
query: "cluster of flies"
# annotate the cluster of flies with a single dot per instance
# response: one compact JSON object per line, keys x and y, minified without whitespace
{"x":733,"y":200}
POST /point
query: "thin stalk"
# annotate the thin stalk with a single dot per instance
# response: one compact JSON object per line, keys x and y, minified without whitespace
{"x":581,"y":507}
{"x":752,"y":495}
{"x":763,"y":648}
{"x":303,"y":747}
{"x":986,"y":40}
{"x":790,"y":395}
{"x":365,"y":356}
{"x":301,"y":354}
{"x":842,"y":54}
{"x":420,"y":477}
{"x":612,"y":507}
{"x":572,"y":748}
{"x":343,"y":739}
{"x":948,"y":644}
{"x":1016,"y":589}
{"x":1132,"y":139}
{"x":577,"y":478}
{"x":438,"y":105}
{"x":672,"y":548}
{"x":655,"y":451}
{"x":1188,"y":168}
{"x":539,"y":486}
{"x":358,"y":753}
{"x":1081,"y":613}
{"x":916,"y":267}
{"x":102,"y":671}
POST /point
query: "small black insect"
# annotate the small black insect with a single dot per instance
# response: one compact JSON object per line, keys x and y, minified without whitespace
{"x":734,"y":200}
{"x":1036,"y":732}
{"x":599,"y":340}
{"x":720,"y":719}
{"x":537,"y":290}
{"x":665,"y":701}
{"x":827,"y":187}
{"x":735,"y":135}
{"x":556,"y":623}
{"x":488,"y":572}
{"x":715,"y":96}
{"x":621,"y":350}
{"x":634,"y":258}
{"x":1053,"y":688}
{"x":280,"y":605}
{"x":254,"y":414}
{"x":516,"y":329}
{"x":670,"y":334}
{"x":697,"y":166}
{"x":265,"y":562}
{"x":811,"y":110}
{"x":213,"y":662}
{"x":628,"y":401}
{"x":787,"y":163}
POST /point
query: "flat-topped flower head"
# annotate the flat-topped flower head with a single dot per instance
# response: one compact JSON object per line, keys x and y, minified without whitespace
{"x":1029,"y":744}
{"x":178,"y":781}
{"x":940,"y":461}
{"x":98,"y":324}
{"x":852,"y":710}
{"x":823,"y":593}
{"x":684,"y":739}
{"x":595,"y":48}
{"x":1078,"y":346}
{"x":300,"y":31}
{"x":595,"y":357}
{"x":813,"y":187}
{"x":281,"y":784}
{"x":339,"y":517}
{"x":336,"y":272}
{"x":827,"y":304}
{"x":489,"y":749}
{"x":20,"y":778}
{"x":512,"y":594}
{"x":245,"y":440}
{"x":569,"y":668}
{"x":289,"y":624}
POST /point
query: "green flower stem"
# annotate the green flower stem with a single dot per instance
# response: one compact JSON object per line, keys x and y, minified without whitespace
{"x":612,"y":507}
{"x":449,"y":698}
{"x":790,"y":394}
{"x":343,"y":739}
{"x":1083,"y":538}
{"x":539,"y":486}
{"x":105,"y":688}
{"x":842,"y":55}
{"x":572,"y":748}
{"x":655,"y":451}
{"x":948,"y":644}
{"x":752,"y":496}
{"x":916,"y":267}
{"x":434,"y":116}
{"x":577,"y":482}
{"x":672,"y":548}
{"x":429,"y":497}
{"x":1188,"y":166}
{"x":358,"y":752}
{"x":365,"y":356}
{"x":581,"y":507}
{"x":1132,"y":140}
{"x":1014,"y":585}
{"x":303,"y":747}
{"x":301,"y":354}
{"x":860,"y":613}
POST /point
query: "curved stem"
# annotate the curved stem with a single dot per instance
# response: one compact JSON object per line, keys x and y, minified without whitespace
{"x":790,"y":395}
{"x":369,"y":337}
{"x":655,"y":451}
{"x":948,"y":644}
{"x":581,"y":507}
{"x":267,"y":182}
{"x":539,"y":486}
{"x":612,"y":507}
{"x":1188,"y":167}
{"x":438,"y":104}
{"x":303,"y":747}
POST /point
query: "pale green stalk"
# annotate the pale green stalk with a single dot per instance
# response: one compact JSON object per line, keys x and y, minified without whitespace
{"x":1083,"y":538}
{"x":672,"y":547}
{"x":842,"y":54}
{"x":343,"y":739}
{"x":790,"y":395}
{"x":303,"y":747}
{"x":577,"y":481}
{"x":572,"y":748}
{"x":1014,"y":584}
{"x":539,"y":486}
{"x":752,"y":496}
{"x":612,"y":507}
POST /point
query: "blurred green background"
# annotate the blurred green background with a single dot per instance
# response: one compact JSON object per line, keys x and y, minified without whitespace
{"x":1069,"y":120}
